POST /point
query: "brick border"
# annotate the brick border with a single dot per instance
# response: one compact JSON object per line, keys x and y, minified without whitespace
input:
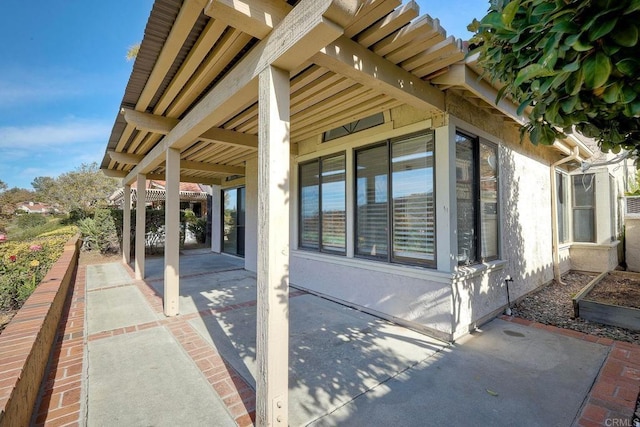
{"x":61,"y":392}
{"x":613,"y":395}
{"x":26,"y":343}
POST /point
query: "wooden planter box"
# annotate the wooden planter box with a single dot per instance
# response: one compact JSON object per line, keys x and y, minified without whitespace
{"x":615,"y":315}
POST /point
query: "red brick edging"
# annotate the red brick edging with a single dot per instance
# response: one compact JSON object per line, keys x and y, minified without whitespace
{"x":26,"y":343}
{"x":612,"y":398}
{"x":61,"y":402}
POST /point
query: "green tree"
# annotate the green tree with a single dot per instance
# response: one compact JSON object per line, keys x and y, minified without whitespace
{"x":574,"y":63}
{"x":85,"y":189}
{"x":43,"y":186}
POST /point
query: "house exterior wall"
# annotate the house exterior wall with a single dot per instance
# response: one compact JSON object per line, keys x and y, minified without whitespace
{"x":450,"y":300}
{"x":632,"y":237}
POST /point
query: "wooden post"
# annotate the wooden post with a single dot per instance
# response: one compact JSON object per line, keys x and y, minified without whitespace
{"x":126,"y":225}
{"x":172,"y":234}
{"x":272,"y":350}
{"x":141,"y":190}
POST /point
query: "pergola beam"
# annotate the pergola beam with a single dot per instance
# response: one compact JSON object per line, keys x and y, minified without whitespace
{"x":149,"y":122}
{"x":114,"y":173}
{"x":254,"y":17}
{"x":187,"y":178}
{"x":230,"y":137}
{"x":125,"y":158}
{"x":463,"y":76}
{"x":212,"y":167}
{"x":350,"y":59}
{"x":311,"y":25}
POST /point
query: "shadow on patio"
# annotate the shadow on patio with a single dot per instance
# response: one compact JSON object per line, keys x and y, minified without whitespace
{"x":346,"y":367}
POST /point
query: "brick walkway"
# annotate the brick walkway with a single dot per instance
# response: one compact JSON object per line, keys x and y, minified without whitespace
{"x":612,"y":398}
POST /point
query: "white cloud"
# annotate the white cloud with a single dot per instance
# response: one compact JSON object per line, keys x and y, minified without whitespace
{"x":66,"y":133}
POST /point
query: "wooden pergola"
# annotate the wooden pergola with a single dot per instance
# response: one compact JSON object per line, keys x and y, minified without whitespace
{"x":218,"y":81}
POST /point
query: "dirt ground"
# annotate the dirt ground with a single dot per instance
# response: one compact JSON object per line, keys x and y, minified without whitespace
{"x":617,"y":290}
{"x":552,"y":305}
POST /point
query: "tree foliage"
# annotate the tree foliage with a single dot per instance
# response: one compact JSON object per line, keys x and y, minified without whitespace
{"x":574,"y":63}
{"x":82,"y":189}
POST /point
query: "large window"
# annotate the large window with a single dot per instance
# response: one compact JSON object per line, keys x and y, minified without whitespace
{"x":322,"y":204}
{"x":584,"y":208}
{"x":395,"y":215}
{"x":477,"y":200}
{"x":233,"y":218}
{"x":563,"y":206}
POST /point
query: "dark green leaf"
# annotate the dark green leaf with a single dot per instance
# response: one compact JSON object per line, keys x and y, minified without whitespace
{"x":602,"y":30}
{"x":580,"y":46}
{"x":633,"y":7}
{"x":611,"y":93}
{"x":575,"y":81}
{"x":572,"y":66}
{"x":628,"y":67}
{"x":547,"y":135}
{"x":597,"y":69}
{"x":531,"y":72}
{"x":569,"y":104}
{"x":627,"y":94}
{"x":523,"y":106}
{"x":543,"y":9}
{"x":625,"y":35}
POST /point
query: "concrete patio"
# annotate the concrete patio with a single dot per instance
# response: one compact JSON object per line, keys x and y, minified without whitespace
{"x":346,"y":367}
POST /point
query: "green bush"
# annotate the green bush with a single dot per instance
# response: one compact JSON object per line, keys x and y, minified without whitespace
{"x":154,"y":228}
{"x":99,"y":232}
{"x":26,"y":221}
{"x":24,"y":264}
{"x":51,"y":226}
{"x":199,"y":229}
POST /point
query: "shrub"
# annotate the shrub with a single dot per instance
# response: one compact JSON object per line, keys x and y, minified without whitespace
{"x":23,"y":265}
{"x":26,"y":221}
{"x":99,"y":232}
{"x":154,"y":228}
{"x":199,"y":229}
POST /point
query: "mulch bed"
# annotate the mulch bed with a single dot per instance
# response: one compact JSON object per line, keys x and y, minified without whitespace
{"x":552,"y":305}
{"x":616,"y":290}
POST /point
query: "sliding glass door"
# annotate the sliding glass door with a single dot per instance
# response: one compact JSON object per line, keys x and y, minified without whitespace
{"x":233,"y":221}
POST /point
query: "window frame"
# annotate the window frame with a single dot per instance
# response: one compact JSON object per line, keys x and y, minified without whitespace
{"x":390,"y":258}
{"x":477,"y":199}
{"x":319,"y":161}
{"x":592,"y":208}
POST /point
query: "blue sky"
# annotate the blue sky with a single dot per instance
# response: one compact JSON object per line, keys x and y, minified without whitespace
{"x":63,"y":72}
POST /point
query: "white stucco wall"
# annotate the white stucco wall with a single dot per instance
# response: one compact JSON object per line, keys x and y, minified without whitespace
{"x":632,"y":236}
{"x":594,"y":257}
{"x":411,"y":295}
{"x":526,"y":238}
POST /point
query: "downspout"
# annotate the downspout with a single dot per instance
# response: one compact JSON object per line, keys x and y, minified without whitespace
{"x":554,"y":214}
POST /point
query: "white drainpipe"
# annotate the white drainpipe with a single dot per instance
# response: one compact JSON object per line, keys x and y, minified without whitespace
{"x":554,"y":214}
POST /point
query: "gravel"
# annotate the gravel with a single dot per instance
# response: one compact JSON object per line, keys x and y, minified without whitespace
{"x":552,"y":305}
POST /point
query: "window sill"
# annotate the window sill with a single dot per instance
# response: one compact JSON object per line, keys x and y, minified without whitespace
{"x":471,"y":271}
{"x":383,"y":267}
{"x":604,"y":246}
